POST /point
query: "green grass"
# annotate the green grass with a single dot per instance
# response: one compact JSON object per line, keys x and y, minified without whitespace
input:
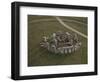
{"x":38,"y":56}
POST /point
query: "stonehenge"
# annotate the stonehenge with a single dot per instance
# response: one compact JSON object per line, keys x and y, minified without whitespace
{"x":61,"y":42}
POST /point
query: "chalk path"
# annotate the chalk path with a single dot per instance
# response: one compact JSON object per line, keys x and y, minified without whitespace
{"x":70,"y":28}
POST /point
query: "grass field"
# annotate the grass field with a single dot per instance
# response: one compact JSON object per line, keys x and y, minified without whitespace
{"x":38,"y":26}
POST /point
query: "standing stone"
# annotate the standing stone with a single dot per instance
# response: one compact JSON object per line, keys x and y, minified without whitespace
{"x":48,"y":46}
{"x":69,"y":50}
{"x":66,"y":51}
{"x":62,"y":50}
